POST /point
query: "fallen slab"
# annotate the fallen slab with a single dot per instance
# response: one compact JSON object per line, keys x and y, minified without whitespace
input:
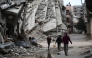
{"x":7,"y":45}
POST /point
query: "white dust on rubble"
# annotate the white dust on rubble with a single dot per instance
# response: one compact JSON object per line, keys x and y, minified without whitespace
{"x":37,"y":34}
{"x":20,"y":52}
{"x":86,"y":51}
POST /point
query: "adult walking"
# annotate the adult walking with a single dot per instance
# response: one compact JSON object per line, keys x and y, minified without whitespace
{"x":48,"y":41}
{"x":58,"y":41}
{"x":66,"y":40}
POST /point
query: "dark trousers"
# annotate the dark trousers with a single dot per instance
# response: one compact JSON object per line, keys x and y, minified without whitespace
{"x":58,"y":44}
{"x":66,"y":49}
{"x":48,"y":45}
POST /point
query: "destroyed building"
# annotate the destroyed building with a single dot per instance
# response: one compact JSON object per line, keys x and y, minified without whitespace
{"x":30,"y":18}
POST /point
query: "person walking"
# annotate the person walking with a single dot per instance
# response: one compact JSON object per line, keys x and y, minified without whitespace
{"x":66,"y":40}
{"x":58,"y":41}
{"x":48,"y":41}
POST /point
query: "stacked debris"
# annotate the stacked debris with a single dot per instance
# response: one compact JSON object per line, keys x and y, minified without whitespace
{"x":17,"y":52}
{"x":7,"y":33}
{"x":44,"y":14}
{"x":42,"y":11}
{"x":87,"y":53}
{"x":50,"y":11}
{"x":40,"y":14}
{"x":37,"y":34}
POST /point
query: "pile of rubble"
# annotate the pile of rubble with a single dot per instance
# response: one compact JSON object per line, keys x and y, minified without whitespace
{"x":50,"y":11}
{"x":87,"y":52}
{"x":18,"y":52}
{"x":37,"y":10}
{"x":37,"y":34}
{"x":40,"y":14}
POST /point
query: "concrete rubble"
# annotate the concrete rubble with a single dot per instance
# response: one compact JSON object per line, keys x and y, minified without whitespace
{"x":31,"y":19}
{"x":37,"y":33}
{"x":36,"y":19}
{"x":18,"y":52}
{"x":87,"y":53}
{"x":7,"y":41}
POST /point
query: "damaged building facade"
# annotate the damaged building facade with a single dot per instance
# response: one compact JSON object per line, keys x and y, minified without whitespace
{"x":12,"y":15}
{"x":69,"y":18}
{"x":27,"y":18}
{"x":21,"y":19}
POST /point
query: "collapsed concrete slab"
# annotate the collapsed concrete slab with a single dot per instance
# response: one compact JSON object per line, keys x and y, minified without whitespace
{"x":49,"y":25}
{"x":7,"y":45}
{"x":58,"y":14}
{"x":53,"y":21}
{"x":53,"y":32}
{"x":64,"y":27}
{"x":41,"y":12}
{"x":30,"y":22}
{"x":46,"y":12}
{"x":15,"y":10}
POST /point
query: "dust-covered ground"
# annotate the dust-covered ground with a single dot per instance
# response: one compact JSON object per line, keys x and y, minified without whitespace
{"x":79,"y":49}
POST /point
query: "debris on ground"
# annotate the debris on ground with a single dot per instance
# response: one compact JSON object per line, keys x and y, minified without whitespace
{"x":18,"y":52}
{"x":87,"y":53}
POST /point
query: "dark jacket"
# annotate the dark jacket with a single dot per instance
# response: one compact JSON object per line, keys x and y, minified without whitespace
{"x":59,"y":39}
{"x":48,"y":39}
{"x":66,"y":39}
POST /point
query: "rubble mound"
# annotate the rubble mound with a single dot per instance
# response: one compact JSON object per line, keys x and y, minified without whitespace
{"x":19,"y":52}
{"x":88,"y":52}
{"x":37,"y":34}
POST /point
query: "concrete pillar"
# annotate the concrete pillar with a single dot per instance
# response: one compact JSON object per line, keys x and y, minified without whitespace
{"x":88,"y":28}
{"x":91,"y":28}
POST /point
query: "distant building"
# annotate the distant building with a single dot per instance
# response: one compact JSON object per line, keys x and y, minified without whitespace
{"x":69,"y":17}
{"x":78,"y":11}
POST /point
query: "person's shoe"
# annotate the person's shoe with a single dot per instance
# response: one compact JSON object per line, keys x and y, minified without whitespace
{"x":66,"y":54}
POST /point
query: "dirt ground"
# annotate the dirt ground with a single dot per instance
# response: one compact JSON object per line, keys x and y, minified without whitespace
{"x":79,"y":49}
